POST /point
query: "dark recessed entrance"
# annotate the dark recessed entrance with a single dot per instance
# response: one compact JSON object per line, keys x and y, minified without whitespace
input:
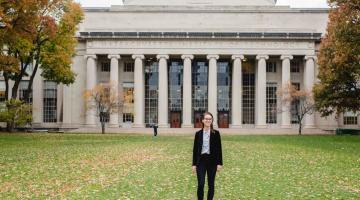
{"x":197,"y":119}
{"x":223,"y":119}
{"x":175,"y":119}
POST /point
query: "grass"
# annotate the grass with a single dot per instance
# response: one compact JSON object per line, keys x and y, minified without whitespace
{"x":60,"y":166}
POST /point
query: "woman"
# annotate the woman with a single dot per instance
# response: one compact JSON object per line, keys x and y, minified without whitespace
{"x":207,"y":156}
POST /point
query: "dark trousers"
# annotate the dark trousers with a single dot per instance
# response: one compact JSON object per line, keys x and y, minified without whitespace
{"x":205,"y":167}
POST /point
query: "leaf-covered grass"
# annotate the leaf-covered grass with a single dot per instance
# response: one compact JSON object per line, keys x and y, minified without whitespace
{"x":83,"y":166}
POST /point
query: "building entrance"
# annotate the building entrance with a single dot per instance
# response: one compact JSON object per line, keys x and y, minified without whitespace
{"x":223,"y":119}
{"x":197,"y":119}
{"x":175,"y":119}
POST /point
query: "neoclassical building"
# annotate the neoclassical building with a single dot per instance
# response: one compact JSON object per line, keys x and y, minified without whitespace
{"x":171,"y":60}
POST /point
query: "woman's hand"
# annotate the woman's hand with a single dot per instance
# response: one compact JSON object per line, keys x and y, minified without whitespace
{"x":219,"y":167}
{"x":193,"y":169}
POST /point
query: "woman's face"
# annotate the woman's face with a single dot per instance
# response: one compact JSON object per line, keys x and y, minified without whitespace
{"x":207,"y":120}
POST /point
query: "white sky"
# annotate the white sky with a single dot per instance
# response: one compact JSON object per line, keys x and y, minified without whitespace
{"x":292,"y":3}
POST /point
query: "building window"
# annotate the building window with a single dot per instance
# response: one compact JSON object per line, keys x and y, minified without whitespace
{"x":128,"y":106}
{"x":151,"y":92}
{"x":128,"y":95}
{"x":271,"y":66}
{"x":295,"y":66}
{"x":199,"y":89}
{"x":128,"y":117}
{"x":224,"y":75}
{"x":129,"y":67}
{"x":105,"y":66}
{"x":248,"y":98}
{"x":23,"y":91}
{"x":295,"y":106}
{"x":50,"y":102}
{"x":105,"y":117}
{"x":224,"y":86}
{"x":350,"y":118}
{"x":271,"y":103}
{"x":175,"y":91}
{"x":2,"y":91}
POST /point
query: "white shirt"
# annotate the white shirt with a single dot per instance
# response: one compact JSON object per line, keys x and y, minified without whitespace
{"x":206,"y":142}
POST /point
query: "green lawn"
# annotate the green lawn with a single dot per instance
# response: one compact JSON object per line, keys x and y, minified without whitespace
{"x":142,"y":167}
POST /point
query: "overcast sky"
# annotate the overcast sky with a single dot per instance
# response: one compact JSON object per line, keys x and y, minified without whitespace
{"x":292,"y":3}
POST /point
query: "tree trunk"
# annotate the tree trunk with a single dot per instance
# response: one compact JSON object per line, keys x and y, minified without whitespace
{"x":300,"y":124}
{"x":16,"y":87}
{"x":103,"y":127}
{"x":10,"y":126}
{"x":6,"y":78}
{"x":29,"y":89}
{"x":19,"y":77}
{"x":31,"y":80}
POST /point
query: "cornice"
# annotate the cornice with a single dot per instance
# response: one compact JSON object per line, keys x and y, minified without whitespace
{"x":201,"y":35}
{"x":205,"y":9}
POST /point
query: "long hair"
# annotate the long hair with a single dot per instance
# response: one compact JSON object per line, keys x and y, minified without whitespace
{"x":212,"y":121}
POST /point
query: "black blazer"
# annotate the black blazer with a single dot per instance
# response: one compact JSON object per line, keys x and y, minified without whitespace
{"x":215,"y":148}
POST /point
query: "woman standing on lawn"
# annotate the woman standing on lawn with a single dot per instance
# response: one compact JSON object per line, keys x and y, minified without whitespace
{"x":207,"y":156}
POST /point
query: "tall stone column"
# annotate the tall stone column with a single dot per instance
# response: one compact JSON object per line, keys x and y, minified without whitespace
{"x":11,"y":85}
{"x":309,"y":80}
{"x":261,"y":92}
{"x":90,"y":84}
{"x":139,"y":92}
{"x":114,"y":82}
{"x":187,"y":93}
{"x":286,"y":80}
{"x":236,"y":110}
{"x":163,"y":91}
{"x":212,"y":87}
{"x":38,"y":95}
{"x":67,"y":106}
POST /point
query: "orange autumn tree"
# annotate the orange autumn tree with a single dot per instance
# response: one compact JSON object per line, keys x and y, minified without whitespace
{"x":299,"y":102}
{"x":339,"y":60}
{"x":104,"y":99}
{"x":37,"y":34}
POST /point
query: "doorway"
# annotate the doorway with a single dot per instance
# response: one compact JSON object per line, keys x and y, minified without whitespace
{"x":175,"y":119}
{"x":197,"y":119}
{"x":223,"y":119}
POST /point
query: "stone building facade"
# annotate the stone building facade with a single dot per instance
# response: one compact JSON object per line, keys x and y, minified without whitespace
{"x":171,"y":60}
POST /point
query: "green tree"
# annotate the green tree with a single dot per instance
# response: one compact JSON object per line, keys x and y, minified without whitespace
{"x":15,"y":113}
{"x":37,"y":34}
{"x":339,"y":60}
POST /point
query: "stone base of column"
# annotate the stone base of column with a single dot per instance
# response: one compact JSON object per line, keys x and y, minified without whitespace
{"x":36,"y":125}
{"x":113,"y":125}
{"x":286,"y":126}
{"x":67,"y":125}
{"x":312,"y":126}
{"x":187,"y":125}
{"x":261,"y":126}
{"x":164,"y":126}
{"x":90,"y":125}
{"x":138,"y":126}
{"x":236,"y":126}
